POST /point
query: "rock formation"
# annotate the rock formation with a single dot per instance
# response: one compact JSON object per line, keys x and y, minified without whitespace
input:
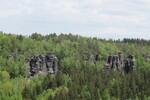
{"x":129,"y":64}
{"x":40,"y":64}
{"x":91,"y":57}
{"x":117,"y":62}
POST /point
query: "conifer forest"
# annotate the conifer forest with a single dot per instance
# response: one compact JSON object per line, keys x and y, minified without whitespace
{"x":73,"y":67}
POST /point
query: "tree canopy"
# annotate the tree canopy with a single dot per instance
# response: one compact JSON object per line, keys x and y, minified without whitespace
{"x":77,"y":79}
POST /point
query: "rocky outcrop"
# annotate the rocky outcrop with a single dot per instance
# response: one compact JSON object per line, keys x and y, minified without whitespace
{"x":40,"y":64}
{"x":129,"y":64}
{"x":91,"y":57}
{"x":117,"y":62}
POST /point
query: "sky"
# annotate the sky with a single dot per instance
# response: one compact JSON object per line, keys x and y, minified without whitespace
{"x":114,"y":19}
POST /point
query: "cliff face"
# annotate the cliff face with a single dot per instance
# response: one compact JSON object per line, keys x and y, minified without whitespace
{"x":47,"y":64}
{"x":117,"y":62}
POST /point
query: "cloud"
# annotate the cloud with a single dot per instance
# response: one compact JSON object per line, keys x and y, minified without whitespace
{"x":8,"y":13}
{"x":92,"y":2}
{"x":89,"y":16}
{"x":61,"y":7}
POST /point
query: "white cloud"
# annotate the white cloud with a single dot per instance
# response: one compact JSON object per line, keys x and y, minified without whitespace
{"x":61,"y":7}
{"x":146,"y":1}
{"x":99,"y":16}
{"x":8,"y":13}
{"x":93,"y":2}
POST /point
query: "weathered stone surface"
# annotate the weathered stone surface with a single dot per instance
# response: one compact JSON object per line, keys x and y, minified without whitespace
{"x":117,"y":62}
{"x":129,"y":64}
{"x":40,"y":64}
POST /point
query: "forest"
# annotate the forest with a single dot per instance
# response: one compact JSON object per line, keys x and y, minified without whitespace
{"x":77,"y":78}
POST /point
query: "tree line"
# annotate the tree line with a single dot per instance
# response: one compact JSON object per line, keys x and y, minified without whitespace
{"x":77,"y":79}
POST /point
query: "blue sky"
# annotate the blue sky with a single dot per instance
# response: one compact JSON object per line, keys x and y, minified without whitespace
{"x":94,"y":18}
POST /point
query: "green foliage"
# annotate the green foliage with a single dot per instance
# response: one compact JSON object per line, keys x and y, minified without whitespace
{"x":105,"y":95}
{"x":77,"y":78}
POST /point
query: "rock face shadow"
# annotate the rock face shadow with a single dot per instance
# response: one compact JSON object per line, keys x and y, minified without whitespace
{"x":42,"y":64}
{"x":117,"y":62}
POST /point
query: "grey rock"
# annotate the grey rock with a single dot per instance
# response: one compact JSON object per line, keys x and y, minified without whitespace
{"x":117,"y":62}
{"x":130,"y":64}
{"x":43,"y":64}
{"x":114,"y":62}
